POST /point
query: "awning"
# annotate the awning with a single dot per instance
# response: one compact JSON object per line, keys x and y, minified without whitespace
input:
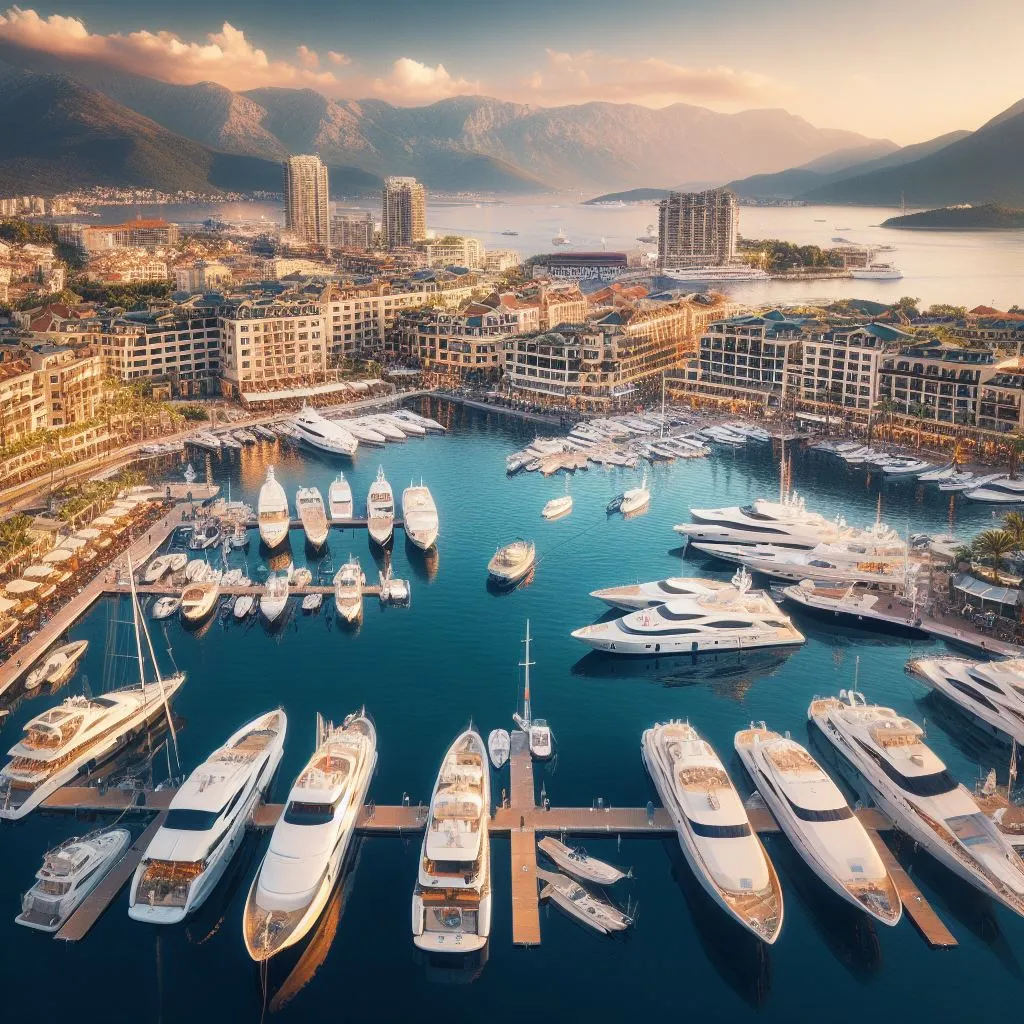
{"x":21,"y":586}
{"x":38,"y":571}
{"x":985,"y":591}
{"x":6,"y":606}
{"x":58,"y":555}
{"x":88,"y":533}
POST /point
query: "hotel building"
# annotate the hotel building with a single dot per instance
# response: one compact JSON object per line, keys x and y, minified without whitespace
{"x":698,"y":229}
{"x":403,"y":211}
{"x":306,"y":209}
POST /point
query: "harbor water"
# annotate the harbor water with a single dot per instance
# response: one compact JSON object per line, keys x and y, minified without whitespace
{"x":425,"y":671}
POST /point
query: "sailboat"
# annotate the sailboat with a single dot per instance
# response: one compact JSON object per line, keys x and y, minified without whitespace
{"x":537,"y":729}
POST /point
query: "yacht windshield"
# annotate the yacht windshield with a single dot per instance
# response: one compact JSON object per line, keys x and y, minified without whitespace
{"x":919,"y":785}
{"x":823,"y":814}
{"x":719,"y":831}
{"x":185,"y":819}
{"x":297,"y":813}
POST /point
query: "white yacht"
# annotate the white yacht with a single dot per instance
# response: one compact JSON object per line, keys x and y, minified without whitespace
{"x":408,"y":416}
{"x":991,"y":692}
{"x":876,"y":272}
{"x":323,"y":434}
{"x":364,"y":433}
{"x":274,"y":518}
{"x":419,"y":516}
{"x":309,"y":503}
{"x":723,"y":851}
{"x":818,"y":821}
{"x":243,"y":606}
{"x":787,"y":523}
{"x":57,"y":666}
{"x":724,"y":620}
{"x":199,"y":599}
{"x":908,"y":467}
{"x":205,"y":535}
{"x":578,"y":902}
{"x":912,"y":787}
{"x":348,"y":590}
{"x":165,"y":607}
{"x":206,"y":823}
{"x":390,"y":430}
{"x":632,"y":596}
{"x":69,"y":873}
{"x":499,"y":746}
{"x":557,"y":507}
{"x":577,"y":862}
{"x":409,"y":427}
{"x":309,"y":842}
{"x":1002,"y":490}
{"x":636,"y":499}
{"x":339,"y":498}
{"x":380,"y":510}
{"x":197,"y":570}
{"x":451,"y":903}
{"x":723,"y":274}
{"x":163,"y":564}
{"x":274,"y":598}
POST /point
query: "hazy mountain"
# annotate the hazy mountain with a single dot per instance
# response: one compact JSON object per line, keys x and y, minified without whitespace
{"x":798,"y":181}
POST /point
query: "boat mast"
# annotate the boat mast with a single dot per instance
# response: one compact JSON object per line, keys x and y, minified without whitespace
{"x":663,"y":404}
{"x":526,"y":692}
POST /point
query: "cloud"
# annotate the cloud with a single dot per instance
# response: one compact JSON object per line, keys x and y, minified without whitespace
{"x":338,"y":58}
{"x":409,"y":81}
{"x":308,"y":58}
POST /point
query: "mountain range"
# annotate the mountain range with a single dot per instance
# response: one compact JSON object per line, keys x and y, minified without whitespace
{"x":467,"y":143}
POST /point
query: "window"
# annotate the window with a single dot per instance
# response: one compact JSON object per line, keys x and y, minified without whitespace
{"x":297,"y":813}
{"x":919,"y":785}
{"x":719,"y":831}
{"x":186,"y":819}
{"x":826,"y":814}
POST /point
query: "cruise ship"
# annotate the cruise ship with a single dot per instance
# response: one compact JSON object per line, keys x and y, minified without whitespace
{"x":419,"y":516}
{"x":451,"y":903}
{"x":723,"y":851}
{"x":309,"y":842}
{"x":323,"y":434}
{"x":206,"y":823}
{"x":913,"y":788}
{"x":733,"y":619}
{"x":990,"y":692}
{"x":818,"y":821}
{"x":272,"y":511}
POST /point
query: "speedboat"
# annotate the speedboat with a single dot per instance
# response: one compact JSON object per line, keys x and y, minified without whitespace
{"x":990,"y":692}
{"x":906,"y":467}
{"x":499,"y":746}
{"x":69,"y":873}
{"x":309,"y":842}
{"x":578,"y":902}
{"x":451,"y":903}
{"x":364,"y":433}
{"x":380,"y":510}
{"x":157,"y":568}
{"x":723,"y":851}
{"x":205,"y":535}
{"x":577,"y":862}
{"x":339,"y":498}
{"x":419,"y":516}
{"x":648,"y":595}
{"x":311,"y":603}
{"x":818,"y":821}
{"x":274,"y":598}
{"x":309,"y":503}
{"x":58,"y":665}
{"x":243,"y":605}
{"x":512,"y":562}
{"x":636,"y":499}
{"x":914,"y":790}
{"x":724,"y":620}
{"x":323,"y":434}
{"x":557,"y":507}
{"x":165,"y":607}
{"x":199,"y":599}
{"x":274,"y":518}
{"x":206,"y":823}
{"x":348,"y":590}
{"x":390,"y":431}
{"x":1000,"y":490}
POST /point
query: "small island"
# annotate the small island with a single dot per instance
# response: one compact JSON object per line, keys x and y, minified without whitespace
{"x":633,"y":195}
{"x":965,"y":217}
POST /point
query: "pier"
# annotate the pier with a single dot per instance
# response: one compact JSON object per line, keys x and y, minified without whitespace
{"x":521,"y":819}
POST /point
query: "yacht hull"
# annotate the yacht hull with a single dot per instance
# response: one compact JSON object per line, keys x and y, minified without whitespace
{"x":857,"y":620}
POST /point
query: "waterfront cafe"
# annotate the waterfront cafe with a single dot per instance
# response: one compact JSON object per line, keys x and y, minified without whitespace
{"x":979,"y":596}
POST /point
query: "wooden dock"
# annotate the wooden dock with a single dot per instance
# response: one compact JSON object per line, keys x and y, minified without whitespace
{"x":81,"y":921}
{"x":525,"y":900}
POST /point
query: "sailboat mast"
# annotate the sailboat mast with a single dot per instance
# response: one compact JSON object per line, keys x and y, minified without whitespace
{"x":663,"y":403}
{"x":135,"y":621}
{"x":526,"y":665}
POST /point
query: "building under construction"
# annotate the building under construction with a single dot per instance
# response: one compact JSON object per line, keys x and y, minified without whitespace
{"x":698,"y":229}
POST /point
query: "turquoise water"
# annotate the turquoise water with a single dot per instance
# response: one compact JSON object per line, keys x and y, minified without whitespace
{"x":424,"y":671}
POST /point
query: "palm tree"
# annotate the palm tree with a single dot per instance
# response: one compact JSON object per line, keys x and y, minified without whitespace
{"x":994,"y":546}
{"x":1013,"y":524}
{"x":1016,"y":450}
{"x":886,"y":407}
{"x":918,"y":412}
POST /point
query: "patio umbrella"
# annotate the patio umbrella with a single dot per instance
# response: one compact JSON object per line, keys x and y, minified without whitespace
{"x":74,"y":543}
{"x":6,"y":605}
{"x":58,"y":555}
{"x":103,"y":521}
{"x":21,"y":586}
{"x":88,"y":533}
{"x":38,"y":571}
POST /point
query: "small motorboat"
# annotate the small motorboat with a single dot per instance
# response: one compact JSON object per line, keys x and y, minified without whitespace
{"x":576,"y":901}
{"x":205,"y":535}
{"x":577,"y":862}
{"x":274,"y":598}
{"x":512,"y":562}
{"x":311,"y":603}
{"x":499,"y":746}
{"x":58,"y":665}
{"x":156,"y":569}
{"x":197,"y":570}
{"x":165,"y":607}
{"x":243,"y":606}
{"x":239,"y":536}
{"x":557,"y":507}
{"x":636,"y":499}
{"x":348,"y":590}
{"x":393,"y":590}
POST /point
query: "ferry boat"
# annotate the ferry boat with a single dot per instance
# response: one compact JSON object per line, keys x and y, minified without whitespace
{"x":380,"y":510}
{"x":309,"y":503}
{"x":57,"y":666}
{"x":714,"y":275}
{"x":451,"y":903}
{"x":419,"y":516}
{"x":206,"y":823}
{"x":322,"y":434}
{"x":348,"y":590}
{"x":272,"y":509}
{"x":311,"y":838}
{"x":339,"y":498}
{"x":632,"y":596}
{"x":715,"y":835}
{"x":818,"y":821}
{"x":876,"y":272}
{"x":69,"y":873}
{"x":913,"y":788}
{"x":512,"y":562}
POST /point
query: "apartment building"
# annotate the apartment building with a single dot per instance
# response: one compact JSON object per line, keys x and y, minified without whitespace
{"x":936,"y":381}
{"x":143,"y":233}
{"x":180,"y":346}
{"x":266,"y":344}
{"x":403,"y":211}
{"x":306,"y":204}
{"x":22,"y":402}
{"x":454,"y":250}
{"x":352,"y":229}
{"x":698,"y":229}
{"x":497,"y":261}
{"x":202,"y":276}
{"x":472,"y":341}
{"x":999,"y":404}
{"x":127,"y":266}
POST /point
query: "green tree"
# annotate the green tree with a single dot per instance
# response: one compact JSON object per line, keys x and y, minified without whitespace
{"x":906,"y":306}
{"x":993,"y":546}
{"x":1013,"y":524}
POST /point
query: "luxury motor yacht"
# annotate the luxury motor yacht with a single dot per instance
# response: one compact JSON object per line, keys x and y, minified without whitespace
{"x":723,"y":851}
{"x":512,"y":562}
{"x":818,"y":821}
{"x":323,"y":434}
{"x":272,"y":510}
{"x":309,"y":503}
{"x":990,"y":692}
{"x":364,"y":433}
{"x":199,"y":599}
{"x":858,"y":605}
{"x":69,"y":873}
{"x":408,"y":416}
{"x":390,"y":430}
{"x":636,"y":499}
{"x":409,"y":427}
{"x":913,"y":788}
{"x":732,"y":619}
{"x":1003,"y":490}
{"x":309,"y":842}
{"x":57,"y":666}
{"x":348,"y":590}
{"x":787,"y":523}
{"x":647,"y":595}
{"x":451,"y":903}
{"x":339,"y":498}
{"x":206,"y":823}
{"x":274,"y":598}
{"x":380,"y":510}
{"x":419,"y":516}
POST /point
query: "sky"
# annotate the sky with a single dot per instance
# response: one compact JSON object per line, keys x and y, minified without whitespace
{"x":906,"y":70}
